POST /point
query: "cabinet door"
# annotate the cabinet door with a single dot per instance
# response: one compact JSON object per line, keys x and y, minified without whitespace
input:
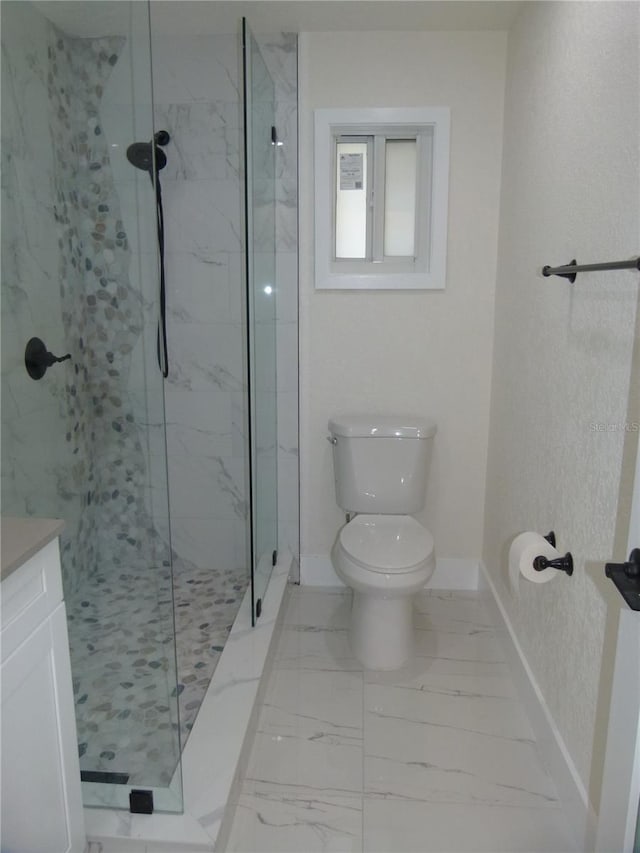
{"x":41,"y":795}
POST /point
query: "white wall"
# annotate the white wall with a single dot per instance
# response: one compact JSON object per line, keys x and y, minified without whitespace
{"x":562,"y":353}
{"x":423,"y":352}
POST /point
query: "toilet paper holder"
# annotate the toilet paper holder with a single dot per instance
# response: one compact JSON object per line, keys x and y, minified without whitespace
{"x":563,"y":564}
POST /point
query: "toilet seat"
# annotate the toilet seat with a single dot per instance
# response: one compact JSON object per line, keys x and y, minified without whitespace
{"x":388,"y":544}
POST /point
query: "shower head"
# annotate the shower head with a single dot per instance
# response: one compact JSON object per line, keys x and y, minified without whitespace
{"x":140,"y":154}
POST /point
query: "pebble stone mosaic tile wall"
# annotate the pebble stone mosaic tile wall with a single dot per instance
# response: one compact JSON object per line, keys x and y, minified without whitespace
{"x":102,"y":317}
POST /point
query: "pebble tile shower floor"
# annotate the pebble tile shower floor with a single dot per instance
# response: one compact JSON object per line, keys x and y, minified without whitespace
{"x":121,"y":640}
{"x":436,"y":758}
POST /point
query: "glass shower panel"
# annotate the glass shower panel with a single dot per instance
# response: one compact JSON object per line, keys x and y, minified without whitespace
{"x":86,"y":443}
{"x":260,"y":206}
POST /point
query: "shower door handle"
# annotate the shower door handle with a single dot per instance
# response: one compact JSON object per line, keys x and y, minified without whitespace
{"x":37,"y":358}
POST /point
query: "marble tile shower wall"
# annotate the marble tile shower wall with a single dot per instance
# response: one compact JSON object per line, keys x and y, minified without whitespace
{"x":33,"y":415}
{"x":197,"y":98}
{"x":72,"y":446}
{"x":102,"y":313}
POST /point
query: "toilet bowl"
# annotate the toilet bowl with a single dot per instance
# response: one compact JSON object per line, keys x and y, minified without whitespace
{"x":385,"y":555}
{"x":385,"y":559}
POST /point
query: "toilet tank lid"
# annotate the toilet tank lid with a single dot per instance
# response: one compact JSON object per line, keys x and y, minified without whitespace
{"x":382,"y":426}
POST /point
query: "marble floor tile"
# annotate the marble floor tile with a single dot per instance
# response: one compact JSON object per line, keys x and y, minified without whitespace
{"x":413,"y":827}
{"x":476,"y":708}
{"x":324,"y":707}
{"x":437,"y":764}
{"x":317,"y":608}
{"x":303,"y":647}
{"x":276,"y":819}
{"x":449,"y":677}
{"x":301,"y":761}
{"x":421,"y":666}
{"x":449,"y":620}
{"x":310,"y":724}
{"x":462,"y":605}
{"x":434,"y":643}
{"x":437,"y":757}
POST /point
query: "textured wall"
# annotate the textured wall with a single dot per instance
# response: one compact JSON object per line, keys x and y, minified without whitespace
{"x":423,"y":352}
{"x":562,"y":353}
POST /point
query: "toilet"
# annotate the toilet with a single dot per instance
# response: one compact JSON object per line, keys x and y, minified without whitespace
{"x":384,"y":554}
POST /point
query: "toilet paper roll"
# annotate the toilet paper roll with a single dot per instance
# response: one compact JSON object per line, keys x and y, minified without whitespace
{"x":523,"y":551}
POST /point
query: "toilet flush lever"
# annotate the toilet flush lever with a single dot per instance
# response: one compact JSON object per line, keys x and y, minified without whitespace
{"x":332,"y":439}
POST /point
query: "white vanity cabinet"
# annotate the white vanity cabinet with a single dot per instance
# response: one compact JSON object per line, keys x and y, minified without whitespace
{"x":41,"y":792}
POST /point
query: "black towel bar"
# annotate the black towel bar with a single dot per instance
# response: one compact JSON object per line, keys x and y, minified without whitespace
{"x":569,"y":270}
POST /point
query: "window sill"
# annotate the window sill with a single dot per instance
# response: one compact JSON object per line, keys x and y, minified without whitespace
{"x":380,"y":281}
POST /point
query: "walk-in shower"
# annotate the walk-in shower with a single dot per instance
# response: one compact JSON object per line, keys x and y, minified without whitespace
{"x":166,"y":477}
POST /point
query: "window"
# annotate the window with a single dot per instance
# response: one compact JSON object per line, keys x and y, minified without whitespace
{"x":381,"y":180}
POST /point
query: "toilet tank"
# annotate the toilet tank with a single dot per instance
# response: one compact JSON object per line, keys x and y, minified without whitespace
{"x":380,"y":463}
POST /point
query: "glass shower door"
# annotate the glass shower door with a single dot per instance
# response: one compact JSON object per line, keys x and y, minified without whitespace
{"x":260,"y":247}
{"x":85,"y":441}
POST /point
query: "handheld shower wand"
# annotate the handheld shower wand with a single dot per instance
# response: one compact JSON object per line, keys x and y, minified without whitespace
{"x":149,"y":157}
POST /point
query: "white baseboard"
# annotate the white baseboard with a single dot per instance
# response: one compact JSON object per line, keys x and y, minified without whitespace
{"x":552,"y":748}
{"x":450,"y":573}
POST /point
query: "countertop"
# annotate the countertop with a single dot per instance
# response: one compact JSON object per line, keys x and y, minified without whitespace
{"x":24,"y":537}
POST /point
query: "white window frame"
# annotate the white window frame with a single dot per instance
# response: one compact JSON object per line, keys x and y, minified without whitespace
{"x":427,"y":270}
